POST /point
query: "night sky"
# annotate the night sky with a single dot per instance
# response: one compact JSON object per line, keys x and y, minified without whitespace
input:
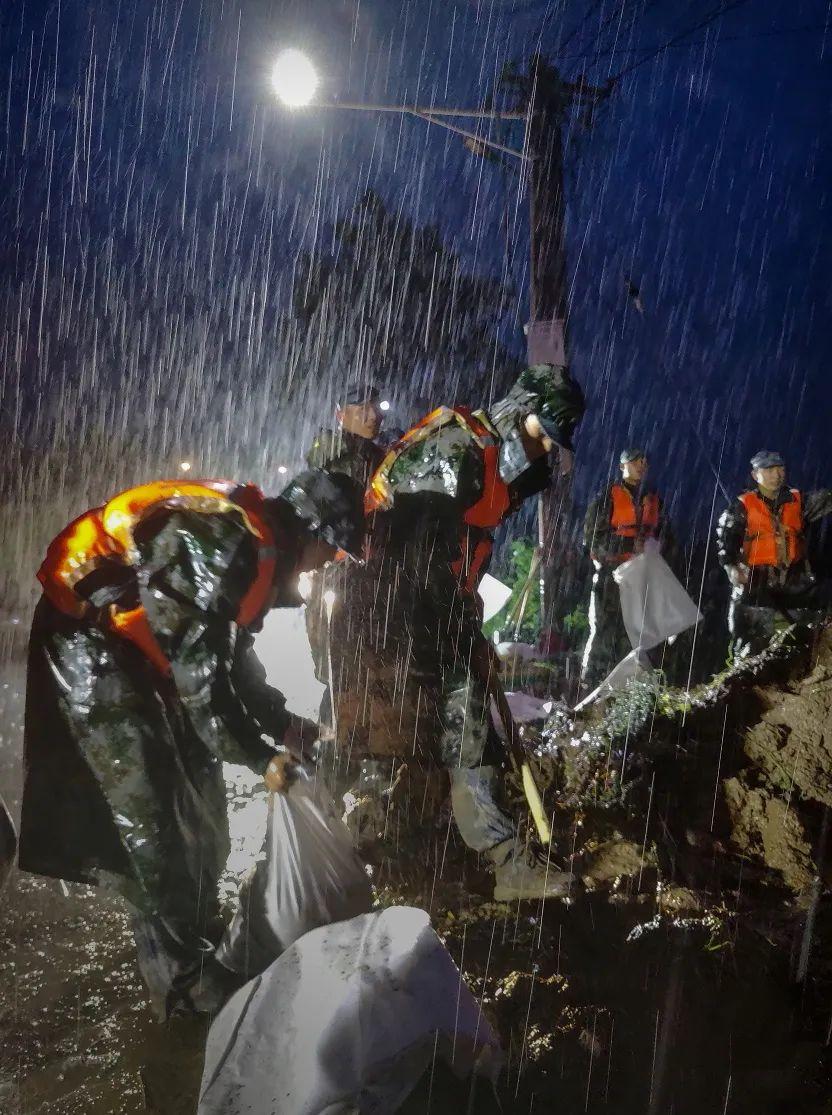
{"x":154,"y":198}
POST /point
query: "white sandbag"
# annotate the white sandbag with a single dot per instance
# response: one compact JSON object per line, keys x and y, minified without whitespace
{"x":494,"y":595}
{"x":346,"y":1021}
{"x":654,"y":605}
{"x":308,"y":875}
{"x":636,"y":662}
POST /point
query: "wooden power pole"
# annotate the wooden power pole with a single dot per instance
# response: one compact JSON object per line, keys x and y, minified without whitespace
{"x":552,"y":103}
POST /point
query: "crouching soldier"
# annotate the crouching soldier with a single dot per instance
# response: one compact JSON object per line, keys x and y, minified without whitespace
{"x":437,"y":497}
{"x":142,"y":681}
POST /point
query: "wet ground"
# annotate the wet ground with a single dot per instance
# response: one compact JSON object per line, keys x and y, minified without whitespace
{"x":609,"y":1004}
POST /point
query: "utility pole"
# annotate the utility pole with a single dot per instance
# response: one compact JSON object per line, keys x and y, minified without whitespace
{"x":551,"y":103}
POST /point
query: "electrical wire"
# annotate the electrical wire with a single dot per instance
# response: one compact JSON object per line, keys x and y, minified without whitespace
{"x":713,"y":15}
{"x":617,"y":12}
{"x":592,"y":7}
{"x":774,"y":32}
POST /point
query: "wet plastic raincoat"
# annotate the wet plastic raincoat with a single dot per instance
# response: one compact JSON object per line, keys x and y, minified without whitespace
{"x":123,"y":765}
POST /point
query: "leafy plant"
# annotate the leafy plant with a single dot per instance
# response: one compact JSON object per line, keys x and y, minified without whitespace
{"x":517,"y":577}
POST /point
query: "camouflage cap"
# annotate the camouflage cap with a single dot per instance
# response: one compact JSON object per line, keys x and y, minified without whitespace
{"x":632,"y":454}
{"x":329,"y":506}
{"x":359,"y":391}
{"x":767,"y":458}
{"x":550,"y":392}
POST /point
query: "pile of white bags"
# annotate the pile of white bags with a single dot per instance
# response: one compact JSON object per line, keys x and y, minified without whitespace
{"x":346,"y":1021}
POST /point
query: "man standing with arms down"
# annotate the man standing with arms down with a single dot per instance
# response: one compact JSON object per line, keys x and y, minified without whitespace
{"x":438,"y":496}
{"x":351,"y":448}
{"x":617,"y":525}
{"x":142,"y":681}
{"x":761,"y":544}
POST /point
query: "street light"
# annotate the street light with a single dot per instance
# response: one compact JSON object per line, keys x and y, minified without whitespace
{"x":294,"y":78}
{"x":295,"y":81}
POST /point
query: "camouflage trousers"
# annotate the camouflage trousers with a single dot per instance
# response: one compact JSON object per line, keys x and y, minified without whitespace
{"x":466,"y":741}
{"x":404,"y":684}
{"x":608,"y":641}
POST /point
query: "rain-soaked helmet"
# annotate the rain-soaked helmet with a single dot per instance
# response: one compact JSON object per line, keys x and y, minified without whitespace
{"x":328,"y":506}
{"x":767,"y":458}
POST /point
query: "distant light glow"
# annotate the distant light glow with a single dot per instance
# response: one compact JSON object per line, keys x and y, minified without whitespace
{"x":384,"y":405}
{"x":185,"y":466}
{"x":294,"y":78}
{"x":282,"y":469}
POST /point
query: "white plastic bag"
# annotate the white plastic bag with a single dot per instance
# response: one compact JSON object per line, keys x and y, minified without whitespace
{"x":494,"y":595}
{"x":654,"y":605}
{"x":309,"y":875}
{"x":347,"y":1020}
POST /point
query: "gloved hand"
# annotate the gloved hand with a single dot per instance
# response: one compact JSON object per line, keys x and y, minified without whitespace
{"x":281,"y":773}
{"x":737,"y":574}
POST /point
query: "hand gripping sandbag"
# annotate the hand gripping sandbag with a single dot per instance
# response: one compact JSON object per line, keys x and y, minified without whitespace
{"x":308,"y":875}
{"x":654,"y":605}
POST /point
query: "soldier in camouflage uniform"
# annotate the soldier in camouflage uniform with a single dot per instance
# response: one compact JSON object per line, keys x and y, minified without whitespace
{"x":342,"y":594}
{"x":438,"y":496}
{"x":761,"y":545}
{"x":616,"y":526}
{"x":142,"y":681}
{"x":352,"y":447}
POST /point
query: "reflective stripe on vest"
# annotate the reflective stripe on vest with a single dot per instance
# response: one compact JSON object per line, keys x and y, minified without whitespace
{"x":107,"y":533}
{"x":769,"y":539}
{"x":624,"y":517}
{"x":492,"y":505}
{"x":486,"y":513}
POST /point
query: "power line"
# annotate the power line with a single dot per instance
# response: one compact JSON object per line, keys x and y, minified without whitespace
{"x":713,"y":15}
{"x":579,"y":25}
{"x":774,"y":32}
{"x":616,"y":12}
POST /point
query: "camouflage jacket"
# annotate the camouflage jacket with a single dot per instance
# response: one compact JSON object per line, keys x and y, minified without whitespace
{"x":123,"y":766}
{"x":340,"y":451}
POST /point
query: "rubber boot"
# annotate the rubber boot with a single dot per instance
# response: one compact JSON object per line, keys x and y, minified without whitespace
{"x":519,"y":873}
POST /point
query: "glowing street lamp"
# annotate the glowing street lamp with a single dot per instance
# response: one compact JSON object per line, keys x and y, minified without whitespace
{"x":184,"y":466}
{"x":294,"y":78}
{"x":384,"y":405}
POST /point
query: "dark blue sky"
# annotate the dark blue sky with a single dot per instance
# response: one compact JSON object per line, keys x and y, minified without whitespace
{"x":154,"y":198}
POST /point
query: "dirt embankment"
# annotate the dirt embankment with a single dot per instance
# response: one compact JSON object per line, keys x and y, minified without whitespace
{"x":691,"y":968}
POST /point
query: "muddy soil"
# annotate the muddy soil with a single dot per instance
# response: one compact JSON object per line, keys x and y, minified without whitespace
{"x":689,"y":971}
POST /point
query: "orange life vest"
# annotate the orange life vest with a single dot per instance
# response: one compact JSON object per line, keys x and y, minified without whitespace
{"x":107,"y":534}
{"x":628,"y":521}
{"x":770,"y":539}
{"x":488,"y":511}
